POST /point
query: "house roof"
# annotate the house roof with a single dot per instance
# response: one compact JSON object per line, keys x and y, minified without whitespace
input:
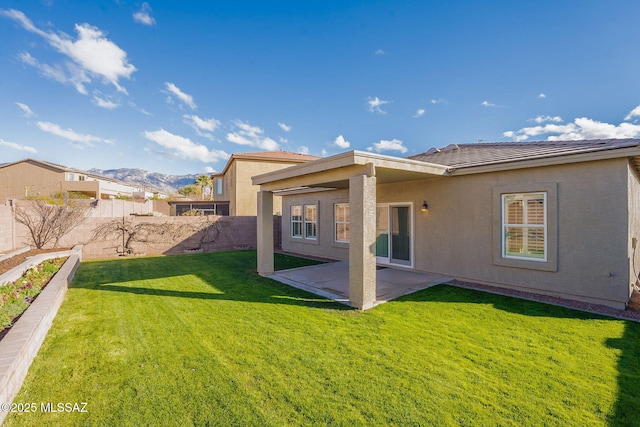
{"x":278,"y":156}
{"x":462,"y":159}
{"x":457,"y":156}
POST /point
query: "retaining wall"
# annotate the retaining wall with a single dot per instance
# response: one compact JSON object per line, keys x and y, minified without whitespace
{"x":20,"y":346}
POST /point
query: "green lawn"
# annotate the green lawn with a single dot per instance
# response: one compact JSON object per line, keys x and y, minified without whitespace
{"x":203,"y":340}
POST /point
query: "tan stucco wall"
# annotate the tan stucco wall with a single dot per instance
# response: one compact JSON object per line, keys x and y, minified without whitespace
{"x":40,"y":180}
{"x":244,"y":199}
{"x":634,"y":226}
{"x":324,"y":246}
{"x":456,"y":236}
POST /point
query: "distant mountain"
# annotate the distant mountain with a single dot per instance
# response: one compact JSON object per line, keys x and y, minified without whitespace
{"x":161,"y":181}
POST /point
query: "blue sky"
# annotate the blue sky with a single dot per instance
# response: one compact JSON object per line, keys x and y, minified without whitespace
{"x":177,"y":87}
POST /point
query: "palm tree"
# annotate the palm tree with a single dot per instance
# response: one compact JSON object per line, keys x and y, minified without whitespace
{"x":204,"y":181}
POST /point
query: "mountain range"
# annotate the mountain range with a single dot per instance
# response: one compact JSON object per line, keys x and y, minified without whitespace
{"x":160,"y":181}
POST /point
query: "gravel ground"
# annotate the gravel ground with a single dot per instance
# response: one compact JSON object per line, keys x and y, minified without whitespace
{"x":631,"y":313}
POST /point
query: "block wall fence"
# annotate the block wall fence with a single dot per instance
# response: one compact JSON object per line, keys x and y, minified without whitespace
{"x":224,"y":232}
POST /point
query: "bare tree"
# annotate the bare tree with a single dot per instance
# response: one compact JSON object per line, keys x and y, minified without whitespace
{"x":49,"y":223}
{"x":123,"y":233}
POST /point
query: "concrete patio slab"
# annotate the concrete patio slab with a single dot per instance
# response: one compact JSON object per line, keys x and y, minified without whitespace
{"x":331,"y":280}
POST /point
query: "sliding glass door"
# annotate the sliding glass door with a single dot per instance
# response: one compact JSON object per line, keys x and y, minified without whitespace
{"x":394,"y":227}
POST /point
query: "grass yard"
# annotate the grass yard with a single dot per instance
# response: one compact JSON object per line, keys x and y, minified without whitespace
{"x":203,"y":340}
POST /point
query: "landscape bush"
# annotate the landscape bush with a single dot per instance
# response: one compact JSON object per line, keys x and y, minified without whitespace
{"x":15,"y":297}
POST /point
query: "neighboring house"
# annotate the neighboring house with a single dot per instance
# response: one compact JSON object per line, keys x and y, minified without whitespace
{"x":203,"y":207}
{"x":31,"y":178}
{"x":558,"y":218}
{"x":234,"y":185}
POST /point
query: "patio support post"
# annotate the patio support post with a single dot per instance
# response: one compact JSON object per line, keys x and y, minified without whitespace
{"x":265,"y":233}
{"x":362,"y":241}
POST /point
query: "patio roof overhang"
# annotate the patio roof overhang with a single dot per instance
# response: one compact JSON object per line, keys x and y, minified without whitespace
{"x":335,"y":171}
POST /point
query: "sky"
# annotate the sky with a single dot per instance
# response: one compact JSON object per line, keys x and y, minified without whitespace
{"x":178,"y":86}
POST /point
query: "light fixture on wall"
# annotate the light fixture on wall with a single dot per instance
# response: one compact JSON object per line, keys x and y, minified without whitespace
{"x":424,"y":206}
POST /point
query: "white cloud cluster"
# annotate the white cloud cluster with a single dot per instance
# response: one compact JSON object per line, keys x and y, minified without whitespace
{"x":203,"y":127}
{"x":92,"y":55}
{"x":184,"y":147}
{"x":380,"y":52}
{"x":375,"y":105}
{"x":252,"y":136}
{"x":26,"y":111}
{"x":19,"y":147}
{"x":71,"y":135}
{"x":386,"y":145}
{"x":340,"y":142}
{"x":543,"y":119}
{"x":104,"y":103}
{"x":487,"y":104}
{"x":184,"y":97}
{"x":419,"y":113}
{"x":581,"y":128}
{"x":284,"y":127}
{"x":143,"y":16}
{"x":541,"y":96}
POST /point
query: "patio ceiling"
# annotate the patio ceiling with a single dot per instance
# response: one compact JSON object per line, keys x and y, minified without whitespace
{"x":335,"y":171}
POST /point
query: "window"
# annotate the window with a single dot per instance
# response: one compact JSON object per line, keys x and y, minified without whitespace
{"x":219,"y":186}
{"x":304,"y":221}
{"x":524,"y":226}
{"x":342,"y":218}
{"x":71,"y":177}
{"x":310,"y":221}
{"x":296,"y":221}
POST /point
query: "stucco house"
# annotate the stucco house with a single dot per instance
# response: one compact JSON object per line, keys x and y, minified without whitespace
{"x":559,"y":218}
{"x":30,"y":177}
{"x":233,"y":184}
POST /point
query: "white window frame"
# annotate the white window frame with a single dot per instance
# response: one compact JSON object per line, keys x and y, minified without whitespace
{"x":525,"y":225}
{"x":310,"y":222}
{"x":346,"y":223}
{"x":298,"y":222}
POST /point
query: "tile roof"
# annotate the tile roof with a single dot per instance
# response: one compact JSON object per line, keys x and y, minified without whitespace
{"x":482,"y":153}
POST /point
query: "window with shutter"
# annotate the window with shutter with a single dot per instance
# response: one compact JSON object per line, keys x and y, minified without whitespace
{"x":524,"y":226}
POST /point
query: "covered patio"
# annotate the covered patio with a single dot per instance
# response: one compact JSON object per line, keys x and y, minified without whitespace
{"x":360,"y":173}
{"x":331,"y":280}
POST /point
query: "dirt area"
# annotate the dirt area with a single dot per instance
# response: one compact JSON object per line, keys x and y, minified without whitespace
{"x":8,"y":264}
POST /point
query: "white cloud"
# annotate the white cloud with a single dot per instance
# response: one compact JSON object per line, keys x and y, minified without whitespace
{"x":184,"y":147}
{"x":71,"y":135}
{"x":340,"y":142}
{"x":252,"y":136}
{"x":543,"y":119}
{"x":375,"y":104}
{"x":184,"y":97}
{"x":633,"y":113}
{"x":19,"y":147}
{"x":380,"y":52}
{"x":26,"y":111}
{"x":581,"y":128}
{"x":541,"y":96}
{"x":70,"y":74}
{"x":324,"y":153}
{"x":487,"y":104}
{"x":202,"y":126}
{"x":104,"y":103}
{"x":143,"y":16}
{"x":92,"y":54}
{"x":209,"y":169}
{"x":385,"y":145}
{"x":284,"y":127}
{"x":438,"y":101}
{"x":303,"y":149}
{"x":419,"y":113}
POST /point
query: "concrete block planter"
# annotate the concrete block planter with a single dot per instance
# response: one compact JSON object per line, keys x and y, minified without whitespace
{"x":21,"y":344}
